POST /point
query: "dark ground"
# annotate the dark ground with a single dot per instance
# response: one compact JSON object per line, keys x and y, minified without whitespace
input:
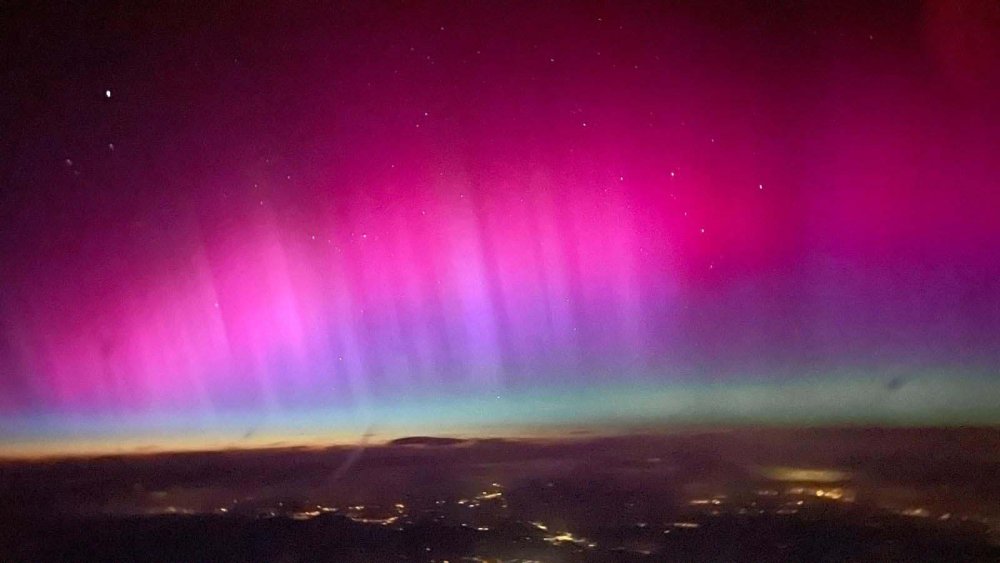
{"x":870,"y":495}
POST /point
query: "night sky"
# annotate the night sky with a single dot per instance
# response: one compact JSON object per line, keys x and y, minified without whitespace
{"x":233,"y":224}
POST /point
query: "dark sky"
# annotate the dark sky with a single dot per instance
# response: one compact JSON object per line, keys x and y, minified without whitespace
{"x":240,"y":208}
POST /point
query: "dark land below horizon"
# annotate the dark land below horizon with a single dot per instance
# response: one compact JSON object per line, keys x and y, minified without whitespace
{"x":859,"y":494}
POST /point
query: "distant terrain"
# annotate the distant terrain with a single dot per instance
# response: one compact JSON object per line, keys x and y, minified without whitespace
{"x":717,"y":495}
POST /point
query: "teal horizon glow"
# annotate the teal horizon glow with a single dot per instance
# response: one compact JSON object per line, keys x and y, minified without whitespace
{"x":923,"y":400}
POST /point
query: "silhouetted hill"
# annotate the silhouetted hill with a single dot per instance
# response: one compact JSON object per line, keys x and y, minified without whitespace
{"x":430,"y":441}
